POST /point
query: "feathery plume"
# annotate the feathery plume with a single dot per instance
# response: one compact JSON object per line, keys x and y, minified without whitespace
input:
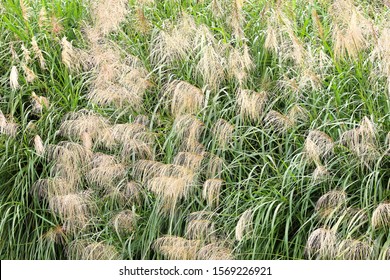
{"x":106,"y":176}
{"x":331,"y":202}
{"x":214,"y":166}
{"x":211,"y":191}
{"x":251,"y":104}
{"x":215,"y":251}
{"x":25,"y":10}
{"x":321,"y":244}
{"x":244,"y":224}
{"x":318,"y":145}
{"x":124,"y":222}
{"x":91,"y":250}
{"x":188,"y":126}
{"x":211,"y":67}
{"x":177,"y":248}
{"x":320,"y":173}
{"x":7,"y":127}
{"x":222,"y":133}
{"x":42,"y":18}
{"x":351,"y":249}
{"x":13,"y":78}
{"x":277,"y":121}
{"x":29,"y":74}
{"x":38,"y":53}
{"x":381,"y":216}
{"x":191,"y":161}
{"x":26,"y":55}
{"x":135,"y":149}
{"x":185,"y":98}
{"x":38,"y":103}
{"x":55,"y":235}
{"x":297,"y":114}
{"x":39,"y":146}
{"x":199,"y":228}
{"x":51,"y":187}
{"x":108,"y":14}
{"x":240,"y":64}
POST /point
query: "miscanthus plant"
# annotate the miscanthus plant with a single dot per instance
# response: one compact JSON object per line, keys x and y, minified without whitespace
{"x":215,"y":129}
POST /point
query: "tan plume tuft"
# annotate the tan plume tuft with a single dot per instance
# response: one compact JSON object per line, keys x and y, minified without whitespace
{"x":318,"y":145}
{"x":38,"y":145}
{"x":211,"y":191}
{"x":251,"y":104}
{"x":29,"y":74}
{"x":321,"y":173}
{"x":109,"y":14}
{"x":51,"y":187}
{"x":188,"y":160}
{"x":211,"y":67}
{"x":7,"y":127}
{"x":14,"y":78}
{"x":331,"y":202}
{"x":277,"y":121}
{"x":244,"y":224}
{"x":215,"y":251}
{"x":321,"y":244}
{"x":177,"y":248}
{"x":125,"y":222}
{"x":80,"y":249}
{"x":381,"y":216}
{"x":39,"y":103}
{"x":240,"y":64}
{"x":38,"y":53}
{"x":199,"y":228}
{"x":351,"y":249}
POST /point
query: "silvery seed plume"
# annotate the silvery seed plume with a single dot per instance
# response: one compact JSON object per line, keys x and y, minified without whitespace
{"x":38,"y":53}
{"x":321,"y":244}
{"x":135,"y":149}
{"x":75,"y":124}
{"x":144,"y":170}
{"x":7,"y":127}
{"x":215,"y":251}
{"x":109,"y":14}
{"x":188,"y":126}
{"x":14,"y":78}
{"x":39,"y":103}
{"x":91,"y":250}
{"x":320,"y":174}
{"x":214,"y":166}
{"x":211,"y":191}
{"x":199,"y":228}
{"x":127,"y":131}
{"x":251,"y":104}
{"x":240,"y":64}
{"x":184,"y":98}
{"x":38,"y":145}
{"x":55,"y":235}
{"x":176,"y":248}
{"x":222,"y":133}
{"x":106,"y":176}
{"x":318,"y":145}
{"x":68,"y":153}
{"x":124,"y":222}
{"x":381,"y":216}
{"x":244,"y":224}
{"x":351,"y":249}
{"x":125,"y":193}
{"x":51,"y":187}
{"x":330,"y":202}
{"x":297,"y":114}
{"x":191,"y":161}
{"x":29,"y":74}
{"x":26,"y":54}
{"x":211,"y":67}
{"x":74,"y":209}
{"x":171,"y":190}
{"x":277,"y":121}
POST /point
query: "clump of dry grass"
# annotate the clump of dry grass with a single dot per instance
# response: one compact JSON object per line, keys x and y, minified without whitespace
{"x":318,"y":145}
{"x":177,"y":248}
{"x":124,"y":222}
{"x":7,"y":127}
{"x":108,"y":14}
{"x":55,"y":235}
{"x":381,"y":216}
{"x":251,"y":104}
{"x":362,"y":141}
{"x":222,"y":132}
{"x":244,"y":224}
{"x":184,"y":98}
{"x":214,"y":166}
{"x":188,"y":160}
{"x":106,"y":175}
{"x":351,"y":249}
{"x":82,"y":249}
{"x":321,"y":244}
{"x":199,"y":226}
{"x":39,"y":103}
{"x":277,"y":121}
{"x":51,"y":187}
{"x":240,"y":64}
{"x":211,"y":67}
{"x":215,"y":251}
{"x":29,"y":74}
{"x":125,"y":193}
{"x":211,"y":191}
{"x":74,"y":209}
{"x":331,"y":202}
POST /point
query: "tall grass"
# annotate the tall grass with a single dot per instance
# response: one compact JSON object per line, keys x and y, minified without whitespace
{"x":195,"y":129}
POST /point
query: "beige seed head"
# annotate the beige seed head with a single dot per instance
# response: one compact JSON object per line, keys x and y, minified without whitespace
{"x":80,"y":249}
{"x":211,"y":67}
{"x":39,"y":146}
{"x":200,"y":229}
{"x":330,"y":202}
{"x":381,"y":216}
{"x":215,"y":251}
{"x":29,"y":74}
{"x":14,"y":78}
{"x":177,"y":248}
{"x":211,"y":191}
{"x":351,"y":249}
{"x":124,"y":222}
{"x":244,"y":224}
{"x":277,"y":121}
{"x":222,"y":133}
{"x":251,"y":104}
{"x":321,"y":244}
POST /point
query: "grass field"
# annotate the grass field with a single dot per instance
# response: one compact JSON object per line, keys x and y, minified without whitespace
{"x":209,"y":129}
